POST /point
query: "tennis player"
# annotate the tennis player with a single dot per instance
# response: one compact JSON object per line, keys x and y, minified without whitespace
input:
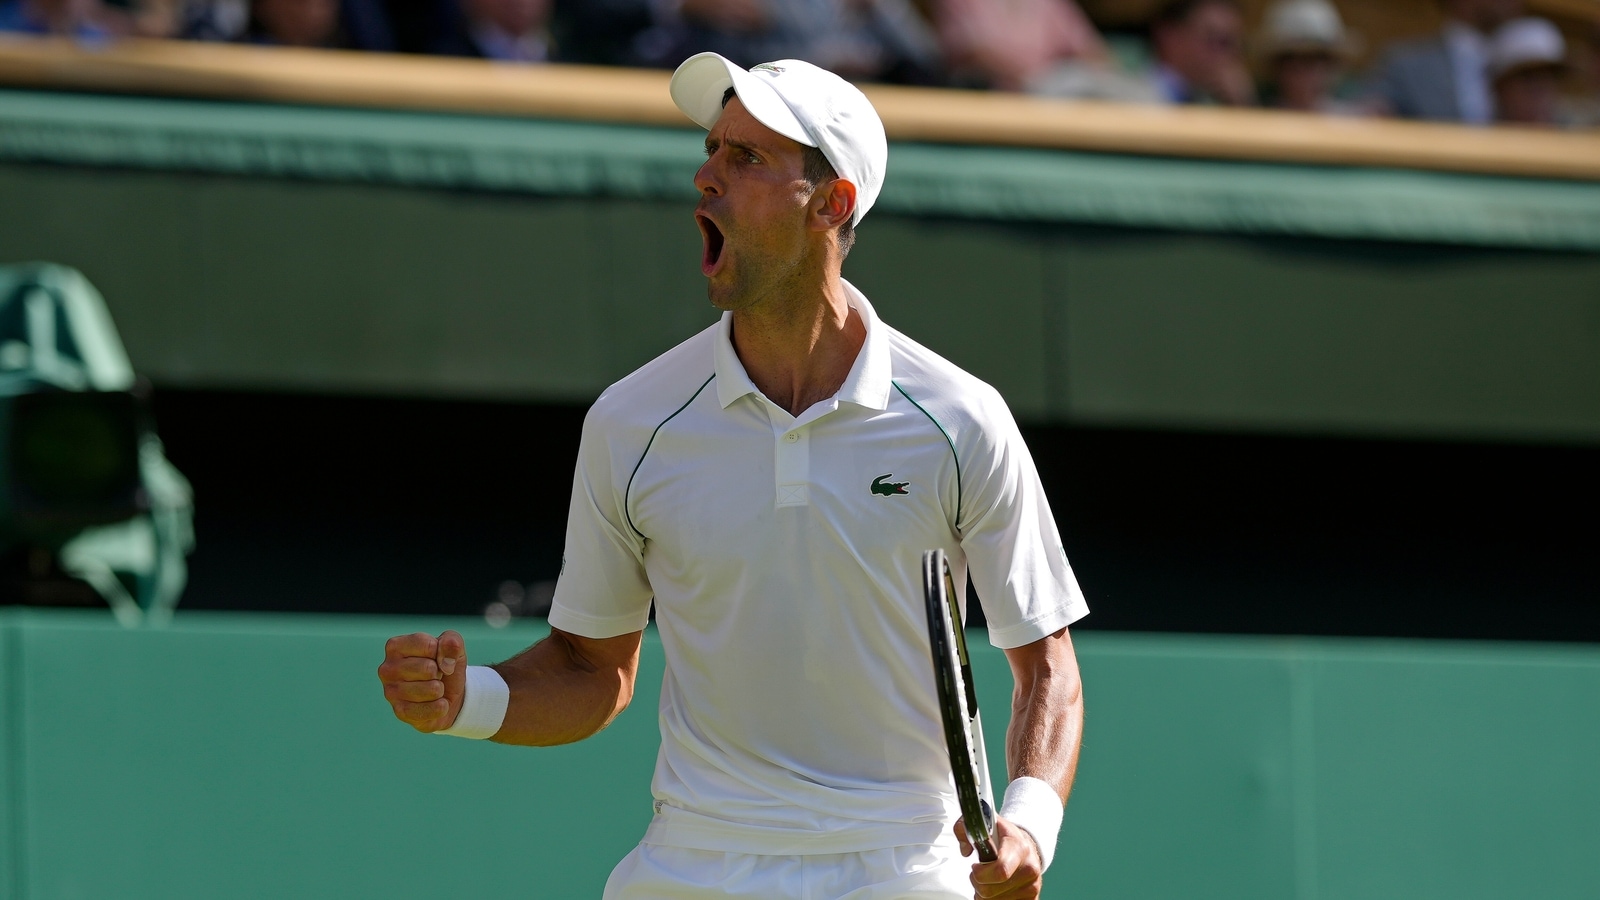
{"x":770,"y":485}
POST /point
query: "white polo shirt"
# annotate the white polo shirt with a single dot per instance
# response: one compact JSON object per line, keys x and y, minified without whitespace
{"x":783,"y":554}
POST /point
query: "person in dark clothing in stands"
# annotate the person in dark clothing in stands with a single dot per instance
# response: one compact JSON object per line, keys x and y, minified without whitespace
{"x":1199,"y":52}
{"x":350,"y":25}
{"x":85,"y":20}
{"x":1305,"y":50}
{"x":1527,"y":60}
{"x":599,"y":32}
{"x":1446,"y":77}
{"x":873,"y":40}
{"x":504,"y":30}
{"x":295,"y":23}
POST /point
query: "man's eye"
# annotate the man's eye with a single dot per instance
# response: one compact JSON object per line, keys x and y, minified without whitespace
{"x":751,"y":157}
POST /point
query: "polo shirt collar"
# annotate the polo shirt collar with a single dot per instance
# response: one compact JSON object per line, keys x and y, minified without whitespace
{"x":867,"y":384}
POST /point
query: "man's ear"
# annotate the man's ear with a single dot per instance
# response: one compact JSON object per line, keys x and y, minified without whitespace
{"x":833,"y":205}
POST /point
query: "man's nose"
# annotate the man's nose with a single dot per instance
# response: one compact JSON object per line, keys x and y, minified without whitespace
{"x":707,"y":180}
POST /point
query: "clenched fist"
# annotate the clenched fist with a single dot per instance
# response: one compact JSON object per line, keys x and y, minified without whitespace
{"x":424,"y":678}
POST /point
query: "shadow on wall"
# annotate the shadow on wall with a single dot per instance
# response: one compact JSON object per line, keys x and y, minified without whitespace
{"x":338,"y":504}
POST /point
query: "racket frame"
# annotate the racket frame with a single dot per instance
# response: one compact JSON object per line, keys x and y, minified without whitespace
{"x":958,"y":703}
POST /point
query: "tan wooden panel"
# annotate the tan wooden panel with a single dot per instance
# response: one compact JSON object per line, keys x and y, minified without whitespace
{"x":914,"y":114}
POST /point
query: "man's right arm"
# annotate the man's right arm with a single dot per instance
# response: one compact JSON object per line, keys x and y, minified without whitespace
{"x":566,"y":688}
{"x":563,"y":689}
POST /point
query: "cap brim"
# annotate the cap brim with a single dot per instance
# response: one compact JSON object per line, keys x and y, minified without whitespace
{"x":698,"y":85}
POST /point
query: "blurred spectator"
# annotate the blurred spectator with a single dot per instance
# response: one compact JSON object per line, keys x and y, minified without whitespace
{"x":352,"y":24}
{"x":1011,"y":44}
{"x":147,"y":18}
{"x":295,"y":23}
{"x":599,"y":32}
{"x":1527,"y":58}
{"x":1199,"y":51}
{"x":1583,"y":62}
{"x":1039,"y":46}
{"x":1306,"y":48}
{"x":504,"y":30}
{"x":86,"y":20}
{"x":1446,"y":77}
{"x":214,"y":20}
{"x":861,"y":39}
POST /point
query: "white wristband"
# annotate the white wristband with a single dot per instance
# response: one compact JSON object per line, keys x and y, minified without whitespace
{"x":483,"y":708}
{"x":1034,"y":806}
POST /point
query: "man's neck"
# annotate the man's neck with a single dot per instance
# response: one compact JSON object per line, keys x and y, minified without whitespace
{"x":798,"y":348}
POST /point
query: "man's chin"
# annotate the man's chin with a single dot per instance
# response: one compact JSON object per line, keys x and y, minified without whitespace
{"x":728,"y":295}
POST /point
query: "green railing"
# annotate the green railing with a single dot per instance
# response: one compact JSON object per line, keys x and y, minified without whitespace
{"x":253,"y":756}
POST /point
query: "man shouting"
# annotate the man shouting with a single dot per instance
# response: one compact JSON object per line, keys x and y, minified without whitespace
{"x":770,"y":485}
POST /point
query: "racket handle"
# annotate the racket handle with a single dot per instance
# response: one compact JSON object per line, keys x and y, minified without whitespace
{"x":985,"y":844}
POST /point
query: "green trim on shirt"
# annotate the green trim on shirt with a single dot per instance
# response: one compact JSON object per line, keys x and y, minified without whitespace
{"x":648,"y":444}
{"x":953,"y":454}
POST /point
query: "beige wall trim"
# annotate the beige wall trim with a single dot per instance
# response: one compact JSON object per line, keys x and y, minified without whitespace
{"x":334,"y":78}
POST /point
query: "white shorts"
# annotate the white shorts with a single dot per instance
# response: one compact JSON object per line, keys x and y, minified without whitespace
{"x":654,"y":872}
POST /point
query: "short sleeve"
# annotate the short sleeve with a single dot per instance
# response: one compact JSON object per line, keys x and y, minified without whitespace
{"x":1013,"y":548}
{"x":602,"y":590}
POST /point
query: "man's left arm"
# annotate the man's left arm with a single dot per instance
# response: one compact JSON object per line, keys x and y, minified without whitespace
{"x":1042,"y":745}
{"x":1019,"y":567}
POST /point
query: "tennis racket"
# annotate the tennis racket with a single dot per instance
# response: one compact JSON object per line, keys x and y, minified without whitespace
{"x":958,"y":703}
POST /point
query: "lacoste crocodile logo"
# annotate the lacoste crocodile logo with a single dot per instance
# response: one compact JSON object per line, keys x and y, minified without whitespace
{"x":776,"y":70}
{"x":886,"y":489}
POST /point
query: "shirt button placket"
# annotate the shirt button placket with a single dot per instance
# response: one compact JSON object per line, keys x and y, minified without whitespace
{"x":794,"y":468}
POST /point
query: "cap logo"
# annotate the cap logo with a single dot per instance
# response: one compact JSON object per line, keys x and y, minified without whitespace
{"x":770,"y":68}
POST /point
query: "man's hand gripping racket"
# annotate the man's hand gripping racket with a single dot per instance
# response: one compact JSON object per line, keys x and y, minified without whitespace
{"x":958,"y":704}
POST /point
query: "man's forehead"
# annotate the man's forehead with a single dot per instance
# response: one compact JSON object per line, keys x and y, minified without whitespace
{"x":736,"y":125}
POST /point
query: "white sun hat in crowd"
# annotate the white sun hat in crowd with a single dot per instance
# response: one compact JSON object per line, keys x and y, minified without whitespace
{"x":1526,"y":44}
{"x":1305,"y":26}
{"x":799,"y":101}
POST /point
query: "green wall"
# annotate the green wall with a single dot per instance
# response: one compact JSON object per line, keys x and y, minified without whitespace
{"x":277,"y":284}
{"x":276,"y":247}
{"x":253,"y":756}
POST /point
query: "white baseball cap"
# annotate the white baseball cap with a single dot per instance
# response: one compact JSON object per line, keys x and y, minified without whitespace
{"x":1526,"y":44}
{"x":799,"y":101}
{"x":1306,"y":26}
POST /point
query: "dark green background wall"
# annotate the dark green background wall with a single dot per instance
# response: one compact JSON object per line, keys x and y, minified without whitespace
{"x":253,"y":756}
{"x":270,"y":284}
{"x":334,"y":250}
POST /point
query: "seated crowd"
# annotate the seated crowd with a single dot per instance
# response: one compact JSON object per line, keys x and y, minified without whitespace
{"x":1489,"y":62}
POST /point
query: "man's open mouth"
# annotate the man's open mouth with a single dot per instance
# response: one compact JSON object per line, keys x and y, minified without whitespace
{"x":713,"y":245}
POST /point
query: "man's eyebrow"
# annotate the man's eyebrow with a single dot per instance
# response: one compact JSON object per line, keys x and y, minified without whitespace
{"x":743,"y":145}
{"x":713,"y":143}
